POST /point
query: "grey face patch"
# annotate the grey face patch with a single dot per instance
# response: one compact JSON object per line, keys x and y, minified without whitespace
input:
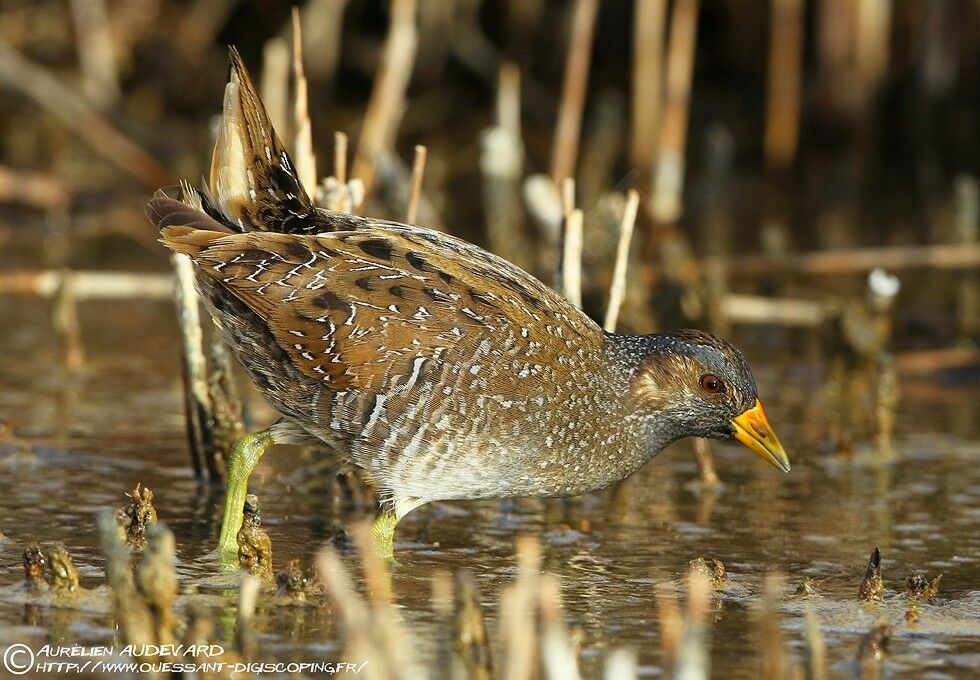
{"x":664,"y":370}
{"x":731,"y":367}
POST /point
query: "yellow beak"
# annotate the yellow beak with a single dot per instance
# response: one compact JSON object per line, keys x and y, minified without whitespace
{"x":752,"y":428}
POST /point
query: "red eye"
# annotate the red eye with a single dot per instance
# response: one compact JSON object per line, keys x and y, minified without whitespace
{"x":711,"y":383}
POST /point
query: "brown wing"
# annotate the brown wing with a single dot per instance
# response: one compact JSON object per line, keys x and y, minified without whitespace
{"x":357,"y":310}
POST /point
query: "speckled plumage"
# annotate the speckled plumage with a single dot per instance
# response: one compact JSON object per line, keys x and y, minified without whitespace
{"x":441,"y":369}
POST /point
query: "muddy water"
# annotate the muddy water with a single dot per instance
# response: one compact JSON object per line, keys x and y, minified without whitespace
{"x":93,"y":436}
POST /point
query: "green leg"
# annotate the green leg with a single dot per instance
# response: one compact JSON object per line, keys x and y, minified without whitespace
{"x":244,"y":457}
{"x":383,"y":535}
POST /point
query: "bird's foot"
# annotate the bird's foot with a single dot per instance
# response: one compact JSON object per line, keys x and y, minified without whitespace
{"x":245,"y":455}
{"x":383,"y":535}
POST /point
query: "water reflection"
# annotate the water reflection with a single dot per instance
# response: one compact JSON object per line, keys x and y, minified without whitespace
{"x":119,"y":421}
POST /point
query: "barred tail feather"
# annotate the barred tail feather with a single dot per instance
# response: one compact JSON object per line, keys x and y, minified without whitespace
{"x":252,"y":180}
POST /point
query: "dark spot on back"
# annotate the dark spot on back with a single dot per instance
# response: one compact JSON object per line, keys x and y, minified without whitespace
{"x":481,"y":298}
{"x":436,"y":295}
{"x":518,"y":287}
{"x":296,"y":250}
{"x":418,"y":262}
{"x":255,"y":255}
{"x":447,"y":277}
{"x":484,"y":272}
{"x":364,"y":282}
{"x":529,"y":299}
{"x":398,"y":291}
{"x":377,"y":247}
{"x":330,"y":300}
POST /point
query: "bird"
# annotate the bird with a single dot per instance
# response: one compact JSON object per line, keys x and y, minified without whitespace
{"x":443,"y":371}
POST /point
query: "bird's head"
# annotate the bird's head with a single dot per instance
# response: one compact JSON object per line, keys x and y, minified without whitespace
{"x":700,"y":385}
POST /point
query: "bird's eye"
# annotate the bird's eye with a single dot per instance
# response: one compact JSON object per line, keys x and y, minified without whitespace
{"x":711,"y":383}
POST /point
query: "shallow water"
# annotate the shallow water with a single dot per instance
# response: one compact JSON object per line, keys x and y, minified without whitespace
{"x":93,"y":436}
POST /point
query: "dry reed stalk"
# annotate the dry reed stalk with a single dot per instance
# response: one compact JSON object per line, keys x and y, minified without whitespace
{"x":668,"y":182}
{"x":509,"y":99}
{"x":518,"y":606}
{"x":783,"y":96}
{"x":872,"y":32}
{"x":470,"y":629}
{"x":418,"y":174}
{"x":336,"y":192}
{"x":757,"y":309}
{"x":567,"y":196}
{"x":377,"y":574}
{"x":64,"y":315}
{"x":967,"y":202}
{"x":442,"y":607}
{"x":348,"y":605}
{"x":715,"y":295}
{"x":557,"y":656}
{"x":872,"y":652}
{"x":156,"y":579}
{"x":372,"y":631}
{"x":617,"y":290}
{"x":649,"y":22}
{"x":835,"y":43}
{"x":887,"y":395}
{"x":501,"y":165}
{"x":96,"y":52}
{"x":393,"y":188}
{"x":544,"y":205}
{"x":859,"y":260}
{"x":226,"y":403}
{"x":274,"y":86}
{"x":303,"y":155}
{"x":37,"y":83}
{"x":89,"y":285}
{"x":717,"y":234}
{"x":707,"y":474}
{"x":815,"y":656}
{"x":773,"y":652}
{"x":924,"y":362}
{"x":201,"y":25}
{"x":836,"y":48}
{"x":670,"y":625}
{"x":33,"y":189}
{"x":131,"y":613}
{"x":340,"y":157}
{"x":387,"y":103}
{"x":566,"y":189}
{"x":248,"y":595}
{"x":620,"y":665}
{"x":693,"y":660}
{"x":571,"y":270}
{"x":323,"y":25}
{"x":564,"y":151}
{"x":197,"y":399}
{"x":349,"y":608}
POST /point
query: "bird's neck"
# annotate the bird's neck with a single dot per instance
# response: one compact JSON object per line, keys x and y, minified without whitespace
{"x":624,"y":354}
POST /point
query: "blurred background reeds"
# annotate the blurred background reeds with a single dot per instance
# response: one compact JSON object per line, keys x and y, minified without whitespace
{"x":799,"y":175}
